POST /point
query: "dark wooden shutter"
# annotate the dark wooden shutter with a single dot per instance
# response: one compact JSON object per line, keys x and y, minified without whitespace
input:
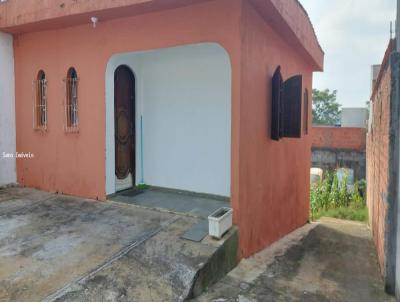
{"x":292,"y":92}
{"x":276,"y":118}
{"x":305,"y":122}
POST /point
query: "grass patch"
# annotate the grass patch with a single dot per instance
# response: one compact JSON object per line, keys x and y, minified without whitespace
{"x":142,"y":187}
{"x":348,"y":213}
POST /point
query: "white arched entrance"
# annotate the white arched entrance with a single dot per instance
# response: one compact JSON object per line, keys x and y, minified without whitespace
{"x":183,"y":118}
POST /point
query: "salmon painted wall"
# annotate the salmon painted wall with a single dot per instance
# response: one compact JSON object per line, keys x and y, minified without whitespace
{"x":274,"y":176}
{"x":75,"y":163}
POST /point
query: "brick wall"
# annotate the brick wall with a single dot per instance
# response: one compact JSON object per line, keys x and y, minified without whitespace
{"x":339,"y":138}
{"x":378,"y":161}
{"x":339,"y":147}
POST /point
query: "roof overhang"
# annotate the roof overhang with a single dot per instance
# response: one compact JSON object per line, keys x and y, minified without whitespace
{"x":287,"y":17}
{"x":21,"y":16}
{"x":290,"y":19}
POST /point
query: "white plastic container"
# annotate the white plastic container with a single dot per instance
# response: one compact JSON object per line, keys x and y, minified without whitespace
{"x":220,"y":222}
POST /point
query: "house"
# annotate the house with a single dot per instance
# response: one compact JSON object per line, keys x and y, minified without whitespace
{"x":175,"y":94}
{"x":354,"y":117}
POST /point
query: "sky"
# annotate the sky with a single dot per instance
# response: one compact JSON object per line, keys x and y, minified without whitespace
{"x":354,"y":35}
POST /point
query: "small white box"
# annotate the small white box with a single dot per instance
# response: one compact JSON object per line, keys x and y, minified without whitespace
{"x":220,"y":222}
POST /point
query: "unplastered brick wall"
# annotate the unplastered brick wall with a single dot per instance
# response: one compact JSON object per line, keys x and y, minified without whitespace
{"x":339,"y":138}
{"x":378,"y":161}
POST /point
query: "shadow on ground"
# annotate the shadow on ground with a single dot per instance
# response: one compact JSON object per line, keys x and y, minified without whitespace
{"x":332,"y":260}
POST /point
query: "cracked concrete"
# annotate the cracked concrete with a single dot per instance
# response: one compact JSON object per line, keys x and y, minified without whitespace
{"x":59,"y":248}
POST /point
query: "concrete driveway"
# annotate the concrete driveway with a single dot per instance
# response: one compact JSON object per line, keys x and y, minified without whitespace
{"x":329,"y":261}
{"x":58,"y":248}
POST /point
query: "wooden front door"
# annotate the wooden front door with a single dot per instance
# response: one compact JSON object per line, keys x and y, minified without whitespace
{"x":124,"y":115}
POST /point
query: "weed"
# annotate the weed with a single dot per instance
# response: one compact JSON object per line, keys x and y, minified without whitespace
{"x":334,"y":198}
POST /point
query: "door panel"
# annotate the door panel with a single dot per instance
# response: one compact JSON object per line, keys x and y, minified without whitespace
{"x":124,"y":115}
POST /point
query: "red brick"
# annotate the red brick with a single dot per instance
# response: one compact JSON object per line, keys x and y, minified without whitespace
{"x":339,"y":138}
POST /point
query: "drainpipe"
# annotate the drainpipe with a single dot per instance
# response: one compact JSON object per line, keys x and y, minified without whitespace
{"x":141,"y":151}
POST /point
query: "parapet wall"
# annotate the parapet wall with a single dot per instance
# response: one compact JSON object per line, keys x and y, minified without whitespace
{"x":339,"y":138}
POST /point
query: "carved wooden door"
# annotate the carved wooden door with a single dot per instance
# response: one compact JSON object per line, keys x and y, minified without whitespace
{"x":124,"y":115}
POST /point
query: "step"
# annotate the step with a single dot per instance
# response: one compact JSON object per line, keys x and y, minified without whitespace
{"x":162,"y":267}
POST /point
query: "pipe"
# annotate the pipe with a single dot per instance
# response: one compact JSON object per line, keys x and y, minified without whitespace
{"x":141,"y":151}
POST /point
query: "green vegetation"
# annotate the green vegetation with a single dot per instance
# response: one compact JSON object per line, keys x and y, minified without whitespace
{"x":326,"y":109}
{"x":332,"y":197}
{"x":142,"y":187}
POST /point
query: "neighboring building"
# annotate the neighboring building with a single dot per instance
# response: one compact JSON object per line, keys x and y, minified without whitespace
{"x":354,"y":117}
{"x":110,"y":94}
{"x":339,"y":147}
{"x":342,"y":146}
{"x":383,"y":168}
{"x":374,"y":75}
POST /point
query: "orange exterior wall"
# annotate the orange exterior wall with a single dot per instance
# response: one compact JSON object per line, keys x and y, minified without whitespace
{"x":75,"y":163}
{"x":273,"y":176}
{"x":339,"y":138}
{"x":269,"y":180}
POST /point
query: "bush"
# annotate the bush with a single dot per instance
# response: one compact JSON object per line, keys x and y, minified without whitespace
{"x":330,"y":198}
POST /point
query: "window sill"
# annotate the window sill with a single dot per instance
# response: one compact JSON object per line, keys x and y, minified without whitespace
{"x":74,"y":130}
{"x":40,"y":129}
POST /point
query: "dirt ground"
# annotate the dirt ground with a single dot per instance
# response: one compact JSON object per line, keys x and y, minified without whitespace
{"x":332,"y":260}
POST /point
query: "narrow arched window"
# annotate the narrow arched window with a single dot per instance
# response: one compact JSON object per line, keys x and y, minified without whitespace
{"x":71,"y":108}
{"x":41,"y":101}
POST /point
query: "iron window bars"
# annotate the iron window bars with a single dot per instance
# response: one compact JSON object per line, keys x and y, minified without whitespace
{"x":40,"y":102}
{"x":71,"y":101}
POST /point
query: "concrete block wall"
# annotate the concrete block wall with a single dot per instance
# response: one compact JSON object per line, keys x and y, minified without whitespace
{"x":330,"y":159}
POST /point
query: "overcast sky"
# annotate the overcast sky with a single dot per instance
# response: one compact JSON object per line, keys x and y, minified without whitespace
{"x":354,"y":35}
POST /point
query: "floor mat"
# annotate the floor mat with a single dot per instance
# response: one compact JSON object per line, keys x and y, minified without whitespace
{"x":197,"y":232}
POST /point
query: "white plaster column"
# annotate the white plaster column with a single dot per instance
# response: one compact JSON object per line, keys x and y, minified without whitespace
{"x":7,"y":111}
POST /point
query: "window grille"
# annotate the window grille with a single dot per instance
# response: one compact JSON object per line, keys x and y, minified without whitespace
{"x":71,"y":103}
{"x":40,"y":102}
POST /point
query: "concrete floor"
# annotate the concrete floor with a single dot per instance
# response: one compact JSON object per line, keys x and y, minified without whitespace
{"x":332,"y":260}
{"x":198,"y":205}
{"x":59,"y":248}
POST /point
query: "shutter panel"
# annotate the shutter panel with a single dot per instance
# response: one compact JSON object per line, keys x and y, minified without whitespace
{"x":276,"y":118}
{"x":305,"y":122}
{"x":292,"y":92}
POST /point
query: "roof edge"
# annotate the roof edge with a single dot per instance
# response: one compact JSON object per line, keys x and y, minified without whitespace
{"x":290,"y":19}
{"x":385,"y":64}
